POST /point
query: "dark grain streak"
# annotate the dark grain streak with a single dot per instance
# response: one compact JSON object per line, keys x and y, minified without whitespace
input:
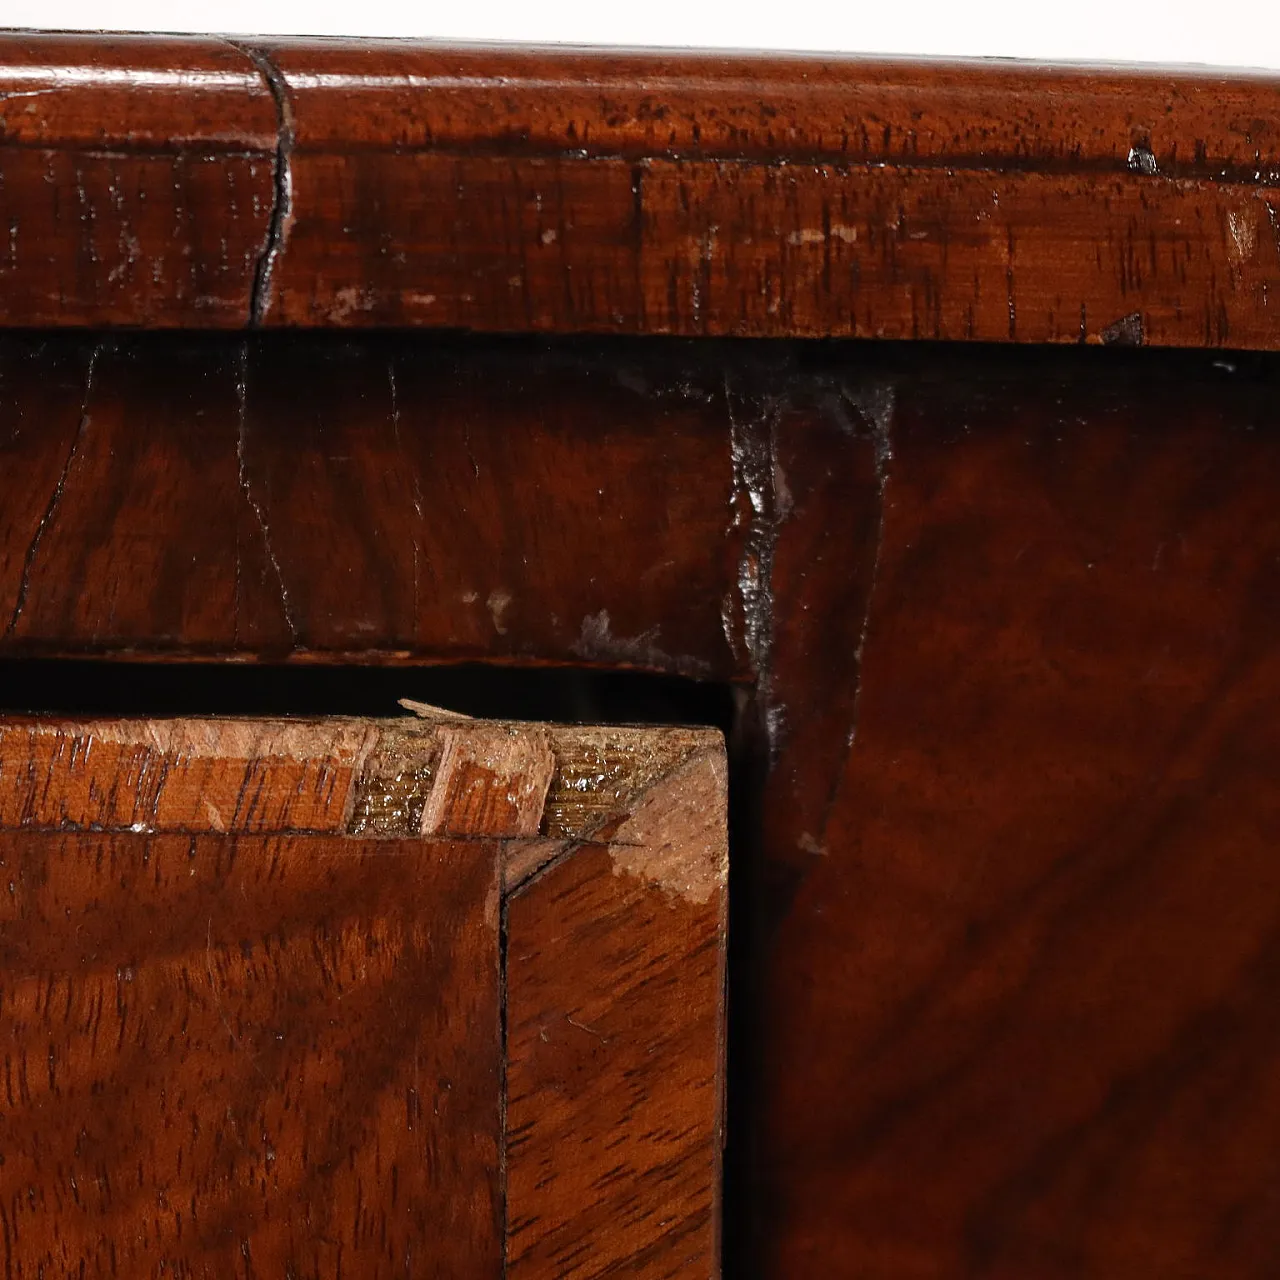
{"x":55,"y":499}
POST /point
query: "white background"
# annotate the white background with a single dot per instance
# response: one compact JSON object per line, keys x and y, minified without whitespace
{"x":1243,"y":33}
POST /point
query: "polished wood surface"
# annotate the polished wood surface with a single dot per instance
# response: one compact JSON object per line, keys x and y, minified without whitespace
{"x":183,"y":500}
{"x":206,"y":183}
{"x":999,"y":624}
{"x":183,"y":1020}
{"x":615,"y":1032}
{"x":255,"y":977}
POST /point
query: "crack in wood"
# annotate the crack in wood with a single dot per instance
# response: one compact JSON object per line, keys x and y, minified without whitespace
{"x":282,"y":184}
{"x":55,"y":500}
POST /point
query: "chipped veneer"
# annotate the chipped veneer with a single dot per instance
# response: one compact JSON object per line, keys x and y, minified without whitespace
{"x":655,"y":796}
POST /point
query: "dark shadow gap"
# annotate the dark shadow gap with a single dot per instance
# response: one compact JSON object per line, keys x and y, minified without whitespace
{"x":86,"y":688}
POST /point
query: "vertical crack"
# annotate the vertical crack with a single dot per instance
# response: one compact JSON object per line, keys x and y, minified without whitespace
{"x":282,"y":178}
{"x":24,"y":584}
{"x":246,"y":488}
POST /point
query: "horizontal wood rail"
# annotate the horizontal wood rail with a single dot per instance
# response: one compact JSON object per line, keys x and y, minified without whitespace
{"x":177,"y":182}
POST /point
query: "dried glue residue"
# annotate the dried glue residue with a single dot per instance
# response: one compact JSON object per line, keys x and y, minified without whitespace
{"x":599,"y":770}
{"x":676,"y":837}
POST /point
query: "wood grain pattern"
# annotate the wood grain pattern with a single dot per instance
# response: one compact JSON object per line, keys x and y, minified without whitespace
{"x":231,"y":1045}
{"x":615,"y":973}
{"x":1029,"y":893}
{"x":707,"y":194}
{"x":209,"y":498}
{"x":490,"y":781}
{"x":327,"y":184}
{"x":985,"y":601}
{"x":783,"y":249}
{"x":40,"y":422}
{"x":253,"y":1055}
{"x":182,"y":775}
{"x":137,"y":180}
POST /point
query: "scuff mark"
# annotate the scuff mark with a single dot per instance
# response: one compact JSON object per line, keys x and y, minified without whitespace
{"x":24,"y":583}
{"x":597,"y":643}
{"x":214,"y":815}
{"x":1273,"y":216}
{"x":281,"y":217}
{"x":675,"y":836}
{"x":874,"y":404}
{"x":246,"y":488}
{"x":753,"y":507}
{"x":816,"y":235}
{"x":349,"y":300}
{"x":1244,"y":237}
{"x":1142,"y":160}
{"x":591,"y":1031}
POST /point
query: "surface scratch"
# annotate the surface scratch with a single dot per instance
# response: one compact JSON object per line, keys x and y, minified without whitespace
{"x":281,"y":218}
{"x":246,"y":488}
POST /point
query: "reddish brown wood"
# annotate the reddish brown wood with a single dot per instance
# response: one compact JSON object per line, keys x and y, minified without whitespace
{"x":136,"y":180}
{"x":782,"y":249}
{"x":729,"y":106}
{"x":252,"y":1000}
{"x":303,"y":183}
{"x":615,"y":974}
{"x":1059,"y":730}
{"x":40,"y":411}
{"x":489,"y":782}
{"x":182,"y":775}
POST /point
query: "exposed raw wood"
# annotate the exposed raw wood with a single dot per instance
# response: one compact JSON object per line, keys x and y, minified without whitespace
{"x":181,"y":775}
{"x":371,"y":778}
{"x":615,"y":972}
{"x":233,"y":1046}
{"x":600,"y":772}
{"x":489,"y":781}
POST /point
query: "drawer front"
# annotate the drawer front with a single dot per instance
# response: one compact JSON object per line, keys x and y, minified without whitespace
{"x":353,"y":997}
